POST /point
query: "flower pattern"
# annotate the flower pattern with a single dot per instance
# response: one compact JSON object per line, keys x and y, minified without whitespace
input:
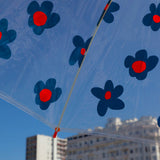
{"x":153,"y":19}
{"x":140,"y":65}
{"x":41,"y":17}
{"x":108,"y":97}
{"x":5,"y":38}
{"x":109,"y":18}
{"x":79,"y":52}
{"x":158,"y":121}
{"x":46,"y":93}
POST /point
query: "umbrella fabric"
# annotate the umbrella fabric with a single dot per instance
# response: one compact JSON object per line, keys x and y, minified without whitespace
{"x":43,"y":43}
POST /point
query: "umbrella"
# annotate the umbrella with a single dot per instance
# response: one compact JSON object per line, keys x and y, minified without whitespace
{"x":73,"y":64}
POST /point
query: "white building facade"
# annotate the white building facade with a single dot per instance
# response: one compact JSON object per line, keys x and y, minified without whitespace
{"x":41,"y":147}
{"x":130,"y":145}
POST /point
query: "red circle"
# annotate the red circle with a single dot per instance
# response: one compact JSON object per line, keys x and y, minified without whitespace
{"x":39,"y":18}
{"x":107,"y":95}
{"x":0,"y":35}
{"x":45,"y":95}
{"x":139,"y":66}
{"x":83,"y":51}
{"x":156,"y":18}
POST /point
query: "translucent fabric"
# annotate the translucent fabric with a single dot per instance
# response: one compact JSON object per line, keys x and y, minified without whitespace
{"x":44,"y":45}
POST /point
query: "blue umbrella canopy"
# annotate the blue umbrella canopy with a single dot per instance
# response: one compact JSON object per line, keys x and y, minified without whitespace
{"x":73,"y":64}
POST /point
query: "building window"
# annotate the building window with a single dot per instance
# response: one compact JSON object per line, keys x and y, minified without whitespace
{"x":112,"y":154}
{"x":103,"y":155}
{"x":131,"y":151}
{"x":154,"y":157}
{"x":153,"y":149}
{"x":125,"y":151}
{"x":117,"y":153}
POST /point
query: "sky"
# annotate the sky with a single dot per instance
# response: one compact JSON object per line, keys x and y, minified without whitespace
{"x":16,"y":126}
{"x":37,"y":58}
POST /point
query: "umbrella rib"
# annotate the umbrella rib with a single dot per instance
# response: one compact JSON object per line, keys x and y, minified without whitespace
{"x":75,"y":79}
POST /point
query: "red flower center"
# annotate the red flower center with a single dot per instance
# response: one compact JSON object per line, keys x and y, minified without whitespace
{"x":45,"y":95}
{"x":83,"y":50}
{"x":39,"y":18}
{"x":107,"y":95}
{"x":156,"y":18}
{"x":0,"y":35}
{"x":139,"y":66}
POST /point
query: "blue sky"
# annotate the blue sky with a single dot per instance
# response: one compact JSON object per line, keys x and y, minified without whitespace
{"x":36,"y":58}
{"x":16,"y":126}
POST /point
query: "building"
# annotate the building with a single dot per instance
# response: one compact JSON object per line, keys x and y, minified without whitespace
{"x":120,"y":140}
{"x":41,"y":147}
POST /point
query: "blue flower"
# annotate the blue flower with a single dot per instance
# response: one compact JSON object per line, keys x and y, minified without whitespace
{"x":5,"y":38}
{"x":140,"y":65}
{"x":46,"y":93}
{"x":41,"y":17}
{"x":153,"y":19}
{"x":79,"y":52}
{"x":158,"y":121}
{"x":108,"y":97}
{"x":109,"y":18}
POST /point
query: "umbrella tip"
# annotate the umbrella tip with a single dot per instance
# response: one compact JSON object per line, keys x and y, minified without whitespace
{"x":57,"y":129}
